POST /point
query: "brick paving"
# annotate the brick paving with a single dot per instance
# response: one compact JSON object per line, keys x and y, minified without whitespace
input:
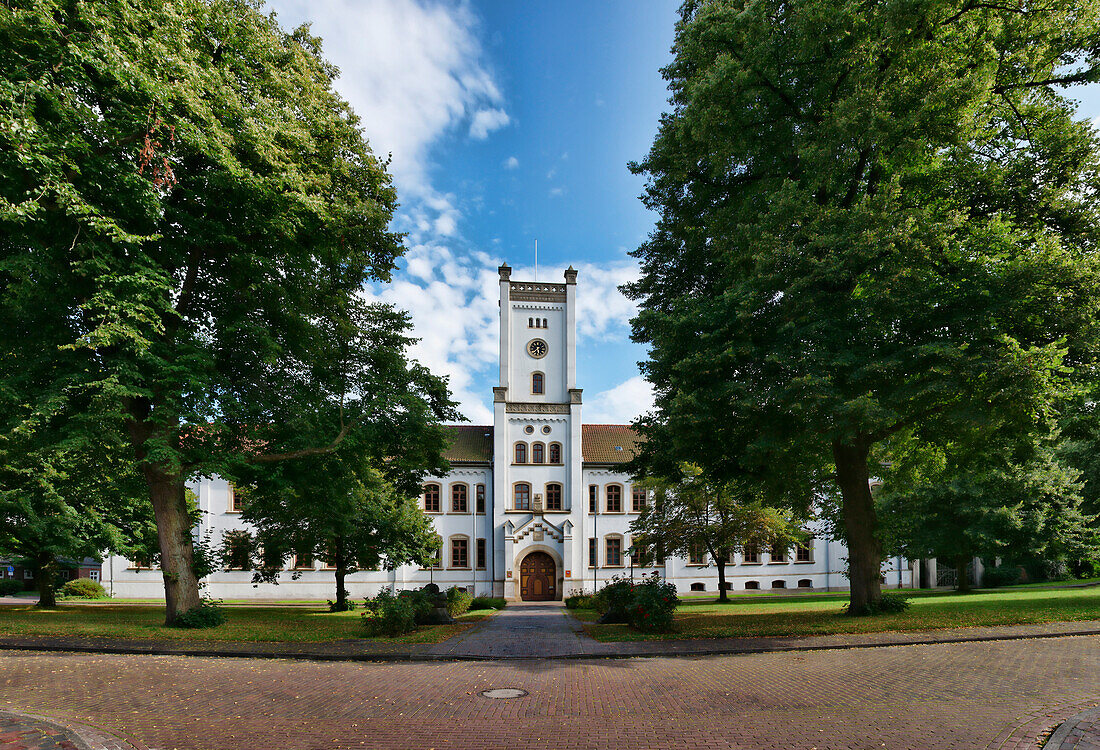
{"x":25,"y":732}
{"x":984,"y":695}
{"x":1079,"y":732}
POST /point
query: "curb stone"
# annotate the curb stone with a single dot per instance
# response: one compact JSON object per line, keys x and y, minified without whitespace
{"x":1062,"y":733}
{"x":84,"y":737}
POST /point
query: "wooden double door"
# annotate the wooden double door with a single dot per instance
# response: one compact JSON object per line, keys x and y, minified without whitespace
{"x":538,"y":578}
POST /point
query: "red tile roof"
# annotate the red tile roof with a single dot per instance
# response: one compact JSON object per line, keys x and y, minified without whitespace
{"x":608,"y":443}
{"x":600,"y":443}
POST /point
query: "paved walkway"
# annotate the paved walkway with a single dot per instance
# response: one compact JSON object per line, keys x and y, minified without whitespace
{"x":522,"y":631}
{"x":26,"y":732}
{"x":972,"y":696}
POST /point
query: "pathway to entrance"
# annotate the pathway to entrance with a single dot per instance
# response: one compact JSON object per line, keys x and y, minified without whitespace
{"x":524,"y":630}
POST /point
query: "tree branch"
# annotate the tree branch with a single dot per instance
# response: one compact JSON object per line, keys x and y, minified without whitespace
{"x":270,"y":458}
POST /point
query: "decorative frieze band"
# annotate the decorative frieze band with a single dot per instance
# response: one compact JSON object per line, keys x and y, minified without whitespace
{"x":531,"y":291}
{"x":517,"y":407}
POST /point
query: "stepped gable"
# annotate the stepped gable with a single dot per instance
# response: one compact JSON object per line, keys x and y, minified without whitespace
{"x":608,"y":443}
{"x":472,"y":444}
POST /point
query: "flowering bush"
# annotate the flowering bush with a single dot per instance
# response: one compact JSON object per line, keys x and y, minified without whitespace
{"x":612,"y":600}
{"x":653,"y":604}
{"x":389,"y":615}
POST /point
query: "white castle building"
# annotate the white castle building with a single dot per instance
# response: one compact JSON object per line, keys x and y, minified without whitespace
{"x":535,"y":506}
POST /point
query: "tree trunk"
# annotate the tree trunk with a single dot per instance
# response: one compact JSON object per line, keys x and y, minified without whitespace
{"x":341,"y":564}
{"x":962,"y":580}
{"x":861,"y":525}
{"x":722,"y":597}
{"x":181,"y":587}
{"x":45,"y":576}
{"x":166,"y":485}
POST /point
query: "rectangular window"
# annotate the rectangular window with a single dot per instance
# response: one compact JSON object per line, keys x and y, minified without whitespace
{"x":236,"y":498}
{"x":431,"y":498}
{"x":481,"y":554}
{"x":778,"y":553}
{"x":750,"y":555}
{"x":553,"y":497}
{"x":697,"y":555}
{"x":614,"y":498}
{"x":803,"y":552}
{"x":460,"y":553}
{"x":458,"y":498}
{"x":237,"y":550}
{"x":94,"y":575}
{"x":638,"y":500}
{"x":593,"y":549}
{"x":614,"y":551}
{"x":523,"y":496}
{"x":303,"y":561}
{"x":480,"y":499}
{"x":593,"y":497}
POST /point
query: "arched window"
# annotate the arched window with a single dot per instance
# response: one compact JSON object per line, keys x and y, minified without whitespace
{"x":614,"y":494}
{"x":698,"y":587}
{"x":555,"y":453}
{"x":521,"y":453}
{"x":431,"y":498}
{"x":545,"y":323}
{"x":537,"y":383}
{"x":460,"y":552}
{"x":779,"y":584}
{"x":553,"y":496}
{"x":538,"y":453}
{"x":459,"y":502}
{"x":522,"y":496}
{"x":805,"y":583}
{"x":530,"y":322}
{"x":614,"y":547}
{"x":752,"y":585}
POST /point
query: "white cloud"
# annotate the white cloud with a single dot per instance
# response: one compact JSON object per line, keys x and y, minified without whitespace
{"x":557,"y":192}
{"x":486,"y":121}
{"x":621,"y":404}
{"x":511,"y":163}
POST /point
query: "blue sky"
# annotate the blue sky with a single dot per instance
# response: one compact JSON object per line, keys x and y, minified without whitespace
{"x":510,"y":121}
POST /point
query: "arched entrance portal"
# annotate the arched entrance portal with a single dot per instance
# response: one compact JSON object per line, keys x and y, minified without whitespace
{"x":538,"y":578}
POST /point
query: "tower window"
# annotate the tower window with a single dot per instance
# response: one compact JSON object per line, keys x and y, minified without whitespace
{"x":545,"y":323}
{"x":537,"y":453}
{"x":537,"y":383}
{"x":530,"y":322}
{"x":553,"y":496}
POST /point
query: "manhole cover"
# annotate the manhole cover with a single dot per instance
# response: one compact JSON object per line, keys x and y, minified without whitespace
{"x":501,"y":693}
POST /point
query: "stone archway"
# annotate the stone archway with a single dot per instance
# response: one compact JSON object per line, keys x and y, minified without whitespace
{"x":538,"y":578}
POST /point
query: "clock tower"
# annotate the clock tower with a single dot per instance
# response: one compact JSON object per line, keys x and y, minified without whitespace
{"x":537,"y":436}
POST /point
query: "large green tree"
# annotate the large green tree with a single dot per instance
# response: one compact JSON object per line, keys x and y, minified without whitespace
{"x":873,"y":217}
{"x":187,"y":214}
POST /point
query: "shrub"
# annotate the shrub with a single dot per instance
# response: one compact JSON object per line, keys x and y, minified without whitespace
{"x":890,"y":604}
{"x":1005,"y":575}
{"x":10,"y":586}
{"x":653,"y":605}
{"x":83,"y":588}
{"x":347,"y":606}
{"x":488,"y":602}
{"x":421,"y":604}
{"x":579,"y":600}
{"x":613,"y":599}
{"x":208,"y":614}
{"x":458,"y":601}
{"x":389,"y":615}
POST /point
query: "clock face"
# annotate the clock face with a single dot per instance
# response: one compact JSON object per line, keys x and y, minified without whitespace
{"x":537,"y":348}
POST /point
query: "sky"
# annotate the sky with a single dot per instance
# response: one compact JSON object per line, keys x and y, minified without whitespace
{"x":508,"y":122}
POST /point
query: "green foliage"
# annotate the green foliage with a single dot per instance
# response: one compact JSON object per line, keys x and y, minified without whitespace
{"x":459,"y":601}
{"x":862,"y":211}
{"x":389,"y":615}
{"x":889,"y":604}
{"x":613,"y":600}
{"x":83,"y":588}
{"x":209,"y":614}
{"x":10,"y":586}
{"x":579,"y":600}
{"x":421,"y":604}
{"x":653,"y":605}
{"x":488,"y":602}
{"x":1004,"y":575}
{"x":345,"y":605}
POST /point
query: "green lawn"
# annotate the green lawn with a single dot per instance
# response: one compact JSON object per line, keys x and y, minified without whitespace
{"x":821,"y":614}
{"x":296,"y":624}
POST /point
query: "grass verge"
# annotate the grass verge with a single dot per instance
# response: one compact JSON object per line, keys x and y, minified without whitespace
{"x":822,"y":615}
{"x":254,"y":624}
